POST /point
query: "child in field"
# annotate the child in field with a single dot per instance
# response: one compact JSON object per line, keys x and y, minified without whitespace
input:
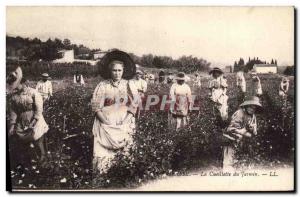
{"x":243,"y":125}
{"x":218,"y":88}
{"x":44,"y":87}
{"x":181,"y":96}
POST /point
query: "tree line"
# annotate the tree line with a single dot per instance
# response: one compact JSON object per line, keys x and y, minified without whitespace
{"x":241,"y":65}
{"x":37,"y":50}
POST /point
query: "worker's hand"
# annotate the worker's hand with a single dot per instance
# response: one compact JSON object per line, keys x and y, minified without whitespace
{"x":33,"y":123}
{"x":11,"y":130}
{"x":247,"y":134}
{"x":127,"y":118}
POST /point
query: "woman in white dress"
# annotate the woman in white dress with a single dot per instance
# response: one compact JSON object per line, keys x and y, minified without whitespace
{"x":218,"y":89}
{"x":241,"y":84}
{"x":256,"y":85}
{"x":284,"y":88}
{"x":114,"y":102}
{"x":181,"y":96}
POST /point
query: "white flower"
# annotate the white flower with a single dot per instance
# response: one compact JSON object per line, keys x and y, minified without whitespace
{"x":75,"y":175}
{"x":64,"y":180}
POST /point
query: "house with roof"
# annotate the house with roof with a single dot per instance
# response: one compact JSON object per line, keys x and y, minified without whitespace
{"x":265,"y":68}
{"x":67,"y":56}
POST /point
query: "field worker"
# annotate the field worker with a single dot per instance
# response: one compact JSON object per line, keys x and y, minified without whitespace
{"x":243,"y":125}
{"x":197,"y":80}
{"x":141,"y":86}
{"x":145,"y":77}
{"x":26,"y":119}
{"x":241,"y":84}
{"x":161,"y":77}
{"x":170,"y":78}
{"x":218,"y":88}
{"x":151,"y":78}
{"x":256,"y":85}
{"x":140,"y":83}
{"x":114,"y":104}
{"x":284,"y":88}
{"x":78,"y":79}
{"x":44,"y":87}
{"x":181,"y":96}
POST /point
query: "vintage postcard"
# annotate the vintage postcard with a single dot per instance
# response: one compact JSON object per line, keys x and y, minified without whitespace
{"x":150,"y":98}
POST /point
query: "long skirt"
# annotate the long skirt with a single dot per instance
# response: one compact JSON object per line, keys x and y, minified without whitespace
{"x":30,"y":134}
{"x":109,"y":139}
{"x":177,"y":122}
{"x":228,"y":157}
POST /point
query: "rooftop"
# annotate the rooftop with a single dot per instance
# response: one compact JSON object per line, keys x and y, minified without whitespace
{"x":265,"y":65}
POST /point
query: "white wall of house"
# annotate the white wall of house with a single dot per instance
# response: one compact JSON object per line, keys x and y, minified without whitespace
{"x":266,"y":69}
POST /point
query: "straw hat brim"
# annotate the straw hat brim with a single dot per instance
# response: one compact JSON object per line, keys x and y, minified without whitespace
{"x":180,"y":78}
{"x":255,"y":103}
{"x":117,"y":55}
{"x":216,"y":70}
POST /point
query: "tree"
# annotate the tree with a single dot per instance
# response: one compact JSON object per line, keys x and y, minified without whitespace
{"x":272,"y":62}
{"x":147,"y":60}
{"x":67,"y":44}
{"x":241,"y":62}
{"x":290,"y":70}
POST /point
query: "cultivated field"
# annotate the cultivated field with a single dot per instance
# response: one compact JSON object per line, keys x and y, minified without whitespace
{"x":157,"y":152}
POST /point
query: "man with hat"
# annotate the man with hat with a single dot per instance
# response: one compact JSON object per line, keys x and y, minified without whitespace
{"x":243,"y":125}
{"x":44,"y":87}
{"x":218,"y":88}
{"x":181,"y":96}
{"x":141,"y":86}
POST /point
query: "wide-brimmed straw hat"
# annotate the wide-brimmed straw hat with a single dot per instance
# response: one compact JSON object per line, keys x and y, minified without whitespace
{"x":117,"y":55}
{"x":18,"y":74}
{"x":180,"y":76}
{"x":216,"y":69}
{"x":253,"y":100}
{"x":46,"y":75}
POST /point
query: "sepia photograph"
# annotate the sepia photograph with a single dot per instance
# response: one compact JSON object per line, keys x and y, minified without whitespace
{"x":150,"y":99}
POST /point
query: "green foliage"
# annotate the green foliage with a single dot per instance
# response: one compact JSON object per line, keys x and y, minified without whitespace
{"x":157,"y":151}
{"x":290,"y":70}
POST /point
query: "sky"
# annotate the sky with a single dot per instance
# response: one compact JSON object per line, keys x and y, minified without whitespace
{"x":220,"y":35}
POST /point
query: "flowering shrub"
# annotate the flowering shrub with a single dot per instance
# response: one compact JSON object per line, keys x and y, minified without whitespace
{"x":157,"y":151}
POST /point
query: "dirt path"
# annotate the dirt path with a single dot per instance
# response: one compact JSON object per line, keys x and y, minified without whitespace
{"x":215,"y":181}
